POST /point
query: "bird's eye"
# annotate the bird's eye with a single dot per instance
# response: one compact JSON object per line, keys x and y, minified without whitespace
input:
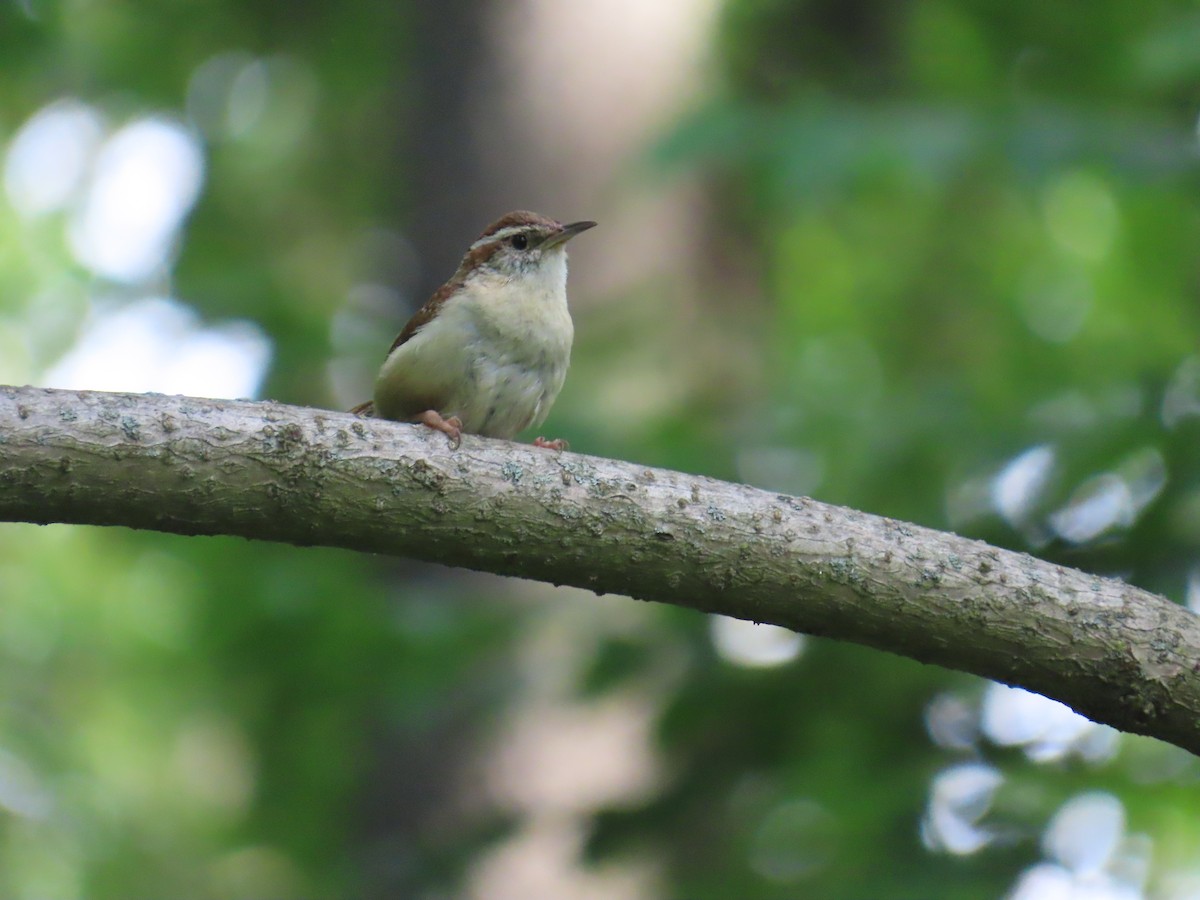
{"x":520,"y":241}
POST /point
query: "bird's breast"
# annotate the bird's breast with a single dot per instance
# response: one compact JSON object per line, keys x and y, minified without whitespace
{"x":496,"y":356}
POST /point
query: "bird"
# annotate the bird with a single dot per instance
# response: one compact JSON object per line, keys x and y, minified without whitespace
{"x":488,"y":353}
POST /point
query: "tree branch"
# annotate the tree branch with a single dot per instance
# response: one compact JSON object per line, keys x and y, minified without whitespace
{"x":267,"y":471}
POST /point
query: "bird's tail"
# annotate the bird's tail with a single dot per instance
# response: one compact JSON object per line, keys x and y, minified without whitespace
{"x":365,"y":409}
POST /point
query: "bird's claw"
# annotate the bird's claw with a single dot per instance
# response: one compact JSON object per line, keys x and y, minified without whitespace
{"x":557,"y":444}
{"x":451,"y":427}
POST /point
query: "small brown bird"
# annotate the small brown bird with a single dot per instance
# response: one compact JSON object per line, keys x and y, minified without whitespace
{"x":488,"y":353}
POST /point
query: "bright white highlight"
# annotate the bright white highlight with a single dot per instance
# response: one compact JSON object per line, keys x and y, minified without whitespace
{"x":1090,"y":856}
{"x":1048,"y":730}
{"x":1085,"y":832}
{"x":750,"y":644}
{"x":49,"y":157}
{"x":146,"y":178}
{"x":1112,"y":500}
{"x":158,"y":345}
{"x":1015,"y":491}
{"x":959,"y":799}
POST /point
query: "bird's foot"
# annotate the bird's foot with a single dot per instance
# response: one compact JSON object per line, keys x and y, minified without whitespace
{"x":557,"y":444}
{"x":451,"y":427}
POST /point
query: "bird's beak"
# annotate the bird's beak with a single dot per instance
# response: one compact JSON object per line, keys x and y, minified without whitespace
{"x":567,"y":232}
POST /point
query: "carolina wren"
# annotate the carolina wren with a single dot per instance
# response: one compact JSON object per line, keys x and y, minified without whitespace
{"x":488,"y":353}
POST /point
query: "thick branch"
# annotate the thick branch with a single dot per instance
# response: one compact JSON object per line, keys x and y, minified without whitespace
{"x":262,"y":470}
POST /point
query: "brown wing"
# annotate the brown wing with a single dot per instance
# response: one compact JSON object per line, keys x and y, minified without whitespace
{"x":423,"y":315}
{"x":420,"y":318}
{"x":479,"y":253}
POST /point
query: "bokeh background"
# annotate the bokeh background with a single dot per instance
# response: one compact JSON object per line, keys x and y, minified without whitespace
{"x":933,"y":259}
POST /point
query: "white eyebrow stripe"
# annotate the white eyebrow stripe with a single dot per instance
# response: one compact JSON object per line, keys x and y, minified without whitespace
{"x":505,"y":233}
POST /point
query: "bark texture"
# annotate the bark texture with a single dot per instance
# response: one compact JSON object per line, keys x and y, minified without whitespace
{"x":266,"y":471}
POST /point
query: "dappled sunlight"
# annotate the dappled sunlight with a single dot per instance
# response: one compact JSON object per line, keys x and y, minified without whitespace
{"x":1088,"y":853}
{"x":1112,"y":500}
{"x":1028,"y":492}
{"x":1044,"y":729}
{"x":1018,"y":487}
{"x":1017,"y":493}
{"x":1085,"y":832}
{"x":144,"y":180}
{"x":959,"y":798}
{"x":1086,"y":846}
{"x":50,"y":156}
{"x":123,"y":197}
{"x":159,"y":345}
{"x":754,"y":645}
{"x":1099,"y":505}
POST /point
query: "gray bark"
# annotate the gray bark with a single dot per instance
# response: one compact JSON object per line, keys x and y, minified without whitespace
{"x":1115,"y":653}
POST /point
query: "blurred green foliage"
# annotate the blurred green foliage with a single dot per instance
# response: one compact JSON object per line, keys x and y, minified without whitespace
{"x":973,"y":230}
